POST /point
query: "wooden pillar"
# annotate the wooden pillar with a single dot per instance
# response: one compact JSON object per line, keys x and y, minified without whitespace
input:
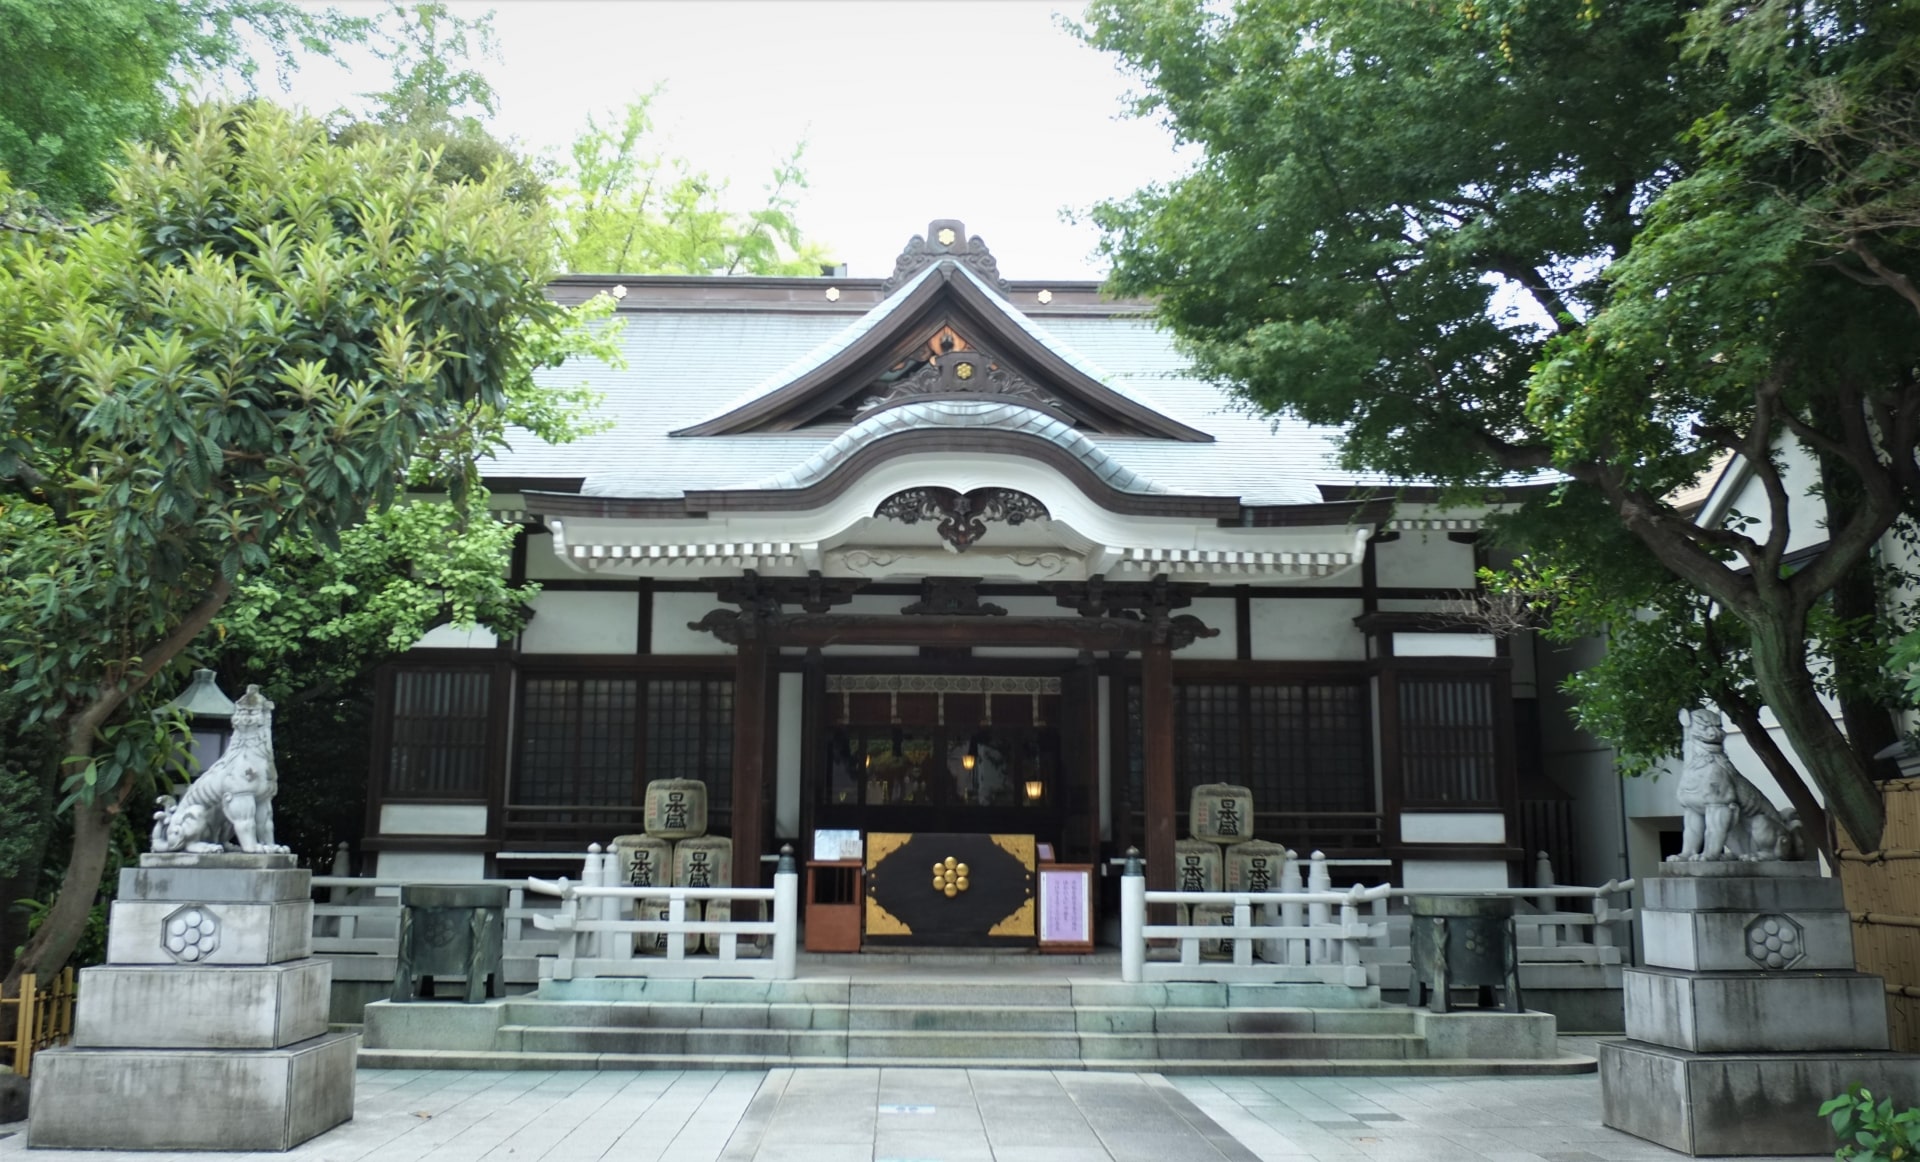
{"x":1088,"y":728}
{"x":1156,"y":708}
{"x":749,"y":754}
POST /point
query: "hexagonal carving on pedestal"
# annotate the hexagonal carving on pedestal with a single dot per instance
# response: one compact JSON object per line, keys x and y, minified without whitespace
{"x":1775,"y":941}
{"x":190,"y":933}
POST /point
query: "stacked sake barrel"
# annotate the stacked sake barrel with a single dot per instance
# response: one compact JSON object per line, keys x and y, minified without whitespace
{"x":1223,"y":855}
{"x":676,"y":851}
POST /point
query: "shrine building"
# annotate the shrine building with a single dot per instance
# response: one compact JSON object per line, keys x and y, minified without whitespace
{"x":944,"y":552}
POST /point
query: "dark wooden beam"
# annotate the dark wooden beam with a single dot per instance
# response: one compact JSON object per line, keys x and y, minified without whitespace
{"x":868,"y":629}
{"x":749,"y":756}
{"x":1156,"y":706}
{"x":1087,"y":675}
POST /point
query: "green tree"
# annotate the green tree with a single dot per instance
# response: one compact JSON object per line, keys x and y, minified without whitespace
{"x":1496,"y":237}
{"x":83,"y":76}
{"x":440,"y":101}
{"x":627,"y":208}
{"x":257,"y":347}
{"x":311,"y":628}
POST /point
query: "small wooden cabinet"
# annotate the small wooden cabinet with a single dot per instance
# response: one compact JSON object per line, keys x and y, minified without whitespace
{"x":835,"y":900}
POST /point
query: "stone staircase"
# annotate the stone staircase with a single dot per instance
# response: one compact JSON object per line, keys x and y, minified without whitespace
{"x":917,"y":1021}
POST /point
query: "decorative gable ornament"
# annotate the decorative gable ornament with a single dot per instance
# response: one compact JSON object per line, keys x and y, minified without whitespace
{"x":962,"y":517}
{"x":945,"y":238}
{"x":963,"y":373}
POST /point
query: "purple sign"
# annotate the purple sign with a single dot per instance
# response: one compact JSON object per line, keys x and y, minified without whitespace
{"x":1063,"y":905}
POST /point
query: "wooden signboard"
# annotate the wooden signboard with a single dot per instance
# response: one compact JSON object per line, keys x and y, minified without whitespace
{"x":1066,"y":907}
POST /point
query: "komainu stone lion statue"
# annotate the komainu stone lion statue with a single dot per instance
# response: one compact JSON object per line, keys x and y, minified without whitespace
{"x":1726,"y":816}
{"x":230,"y":804}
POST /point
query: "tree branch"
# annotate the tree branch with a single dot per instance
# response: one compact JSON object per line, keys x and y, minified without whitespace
{"x":1890,"y":278}
{"x":1529,"y":277}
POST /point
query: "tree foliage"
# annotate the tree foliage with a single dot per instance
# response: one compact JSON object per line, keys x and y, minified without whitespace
{"x":625,"y":207}
{"x":256,"y":349}
{"x":1616,"y":240}
{"x":439,"y":100}
{"x":83,"y":76}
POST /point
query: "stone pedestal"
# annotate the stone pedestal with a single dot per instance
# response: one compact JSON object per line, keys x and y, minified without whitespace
{"x":1747,"y":1014}
{"x":207,"y":1029}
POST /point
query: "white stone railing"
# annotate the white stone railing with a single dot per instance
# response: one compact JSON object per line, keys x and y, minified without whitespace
{"x":357,"y":925}
{"x":596,"y":937}
{"x":1568,"y":925}
{"x":1308,"y":931}
{"x":1284,"y":937}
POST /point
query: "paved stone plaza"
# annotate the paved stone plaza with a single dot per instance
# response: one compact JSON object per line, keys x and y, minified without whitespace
{"x":948,"y":1115}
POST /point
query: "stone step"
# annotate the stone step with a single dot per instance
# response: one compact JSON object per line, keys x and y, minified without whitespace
{"x":1251,"y":1046}
{"x":963,"y":1018}
{"x":887,"y":1045}
{"x":941,"y":1017}
{"x":1566,"y":1063}
{"x":1378,"y":1022}
{"x":965,"y":993}
{"x":652,"y":1041}
{"x":971,"y":1044}
{"x":677,"y":1015}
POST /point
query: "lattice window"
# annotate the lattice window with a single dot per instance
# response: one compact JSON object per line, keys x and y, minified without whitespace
{"x":690,"y":734}
{"x":1309,"y":747}
{"x":576,"y":742}
{"x":1449,"y":752}
{"x":1300,"y":747}
{"x":1209,"y":743}
{"x":438,"y":744}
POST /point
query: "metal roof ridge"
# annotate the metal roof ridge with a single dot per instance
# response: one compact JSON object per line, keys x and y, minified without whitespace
{"x":953,"y":413}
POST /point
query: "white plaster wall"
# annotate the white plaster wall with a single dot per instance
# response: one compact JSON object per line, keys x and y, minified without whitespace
{"x":1423,"y":560}
{"x":1453,"y":875}
{"x":433,"y":819}
{"x":1443,"y":645}
{"x":786,"y":758}
{"x":542,"y":565}
{"x":1520,"y":649}
{"x":1580,"y":765}
{"x":1219,"y":613}
{"x":672,"y":612}
{"x":1315,"y":629}
{"x":1453,"y":827}
{"x":452,"y":637}
{"x":573,"y":622}
{"x":428,"y":866}
{"x":1806,"y":511}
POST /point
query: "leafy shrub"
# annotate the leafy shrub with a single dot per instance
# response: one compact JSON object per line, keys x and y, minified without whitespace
{"x":1870,"y":1132}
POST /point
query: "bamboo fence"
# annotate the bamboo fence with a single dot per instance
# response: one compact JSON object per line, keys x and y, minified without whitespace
{"x":1883,"y":895}
{"x":42,"y":1018}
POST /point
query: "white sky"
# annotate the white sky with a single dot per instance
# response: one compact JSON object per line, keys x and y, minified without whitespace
{"x":982,"y":110}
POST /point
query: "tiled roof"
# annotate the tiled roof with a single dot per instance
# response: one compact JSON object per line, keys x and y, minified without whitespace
{"x":683,"y":367}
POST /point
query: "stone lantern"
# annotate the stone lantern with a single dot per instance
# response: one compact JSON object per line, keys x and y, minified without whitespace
{"x":209,"y":716}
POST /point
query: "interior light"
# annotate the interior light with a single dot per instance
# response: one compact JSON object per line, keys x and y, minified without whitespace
{"x":1035,"y":788}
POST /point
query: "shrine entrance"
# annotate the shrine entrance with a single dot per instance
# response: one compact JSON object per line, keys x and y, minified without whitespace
{"x":949,"y":753}
{"x":950,"y":790}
